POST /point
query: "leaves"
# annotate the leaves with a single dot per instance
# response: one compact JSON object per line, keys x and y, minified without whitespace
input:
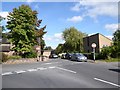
{"x":73,"y":40}
{"x":22,"y":23}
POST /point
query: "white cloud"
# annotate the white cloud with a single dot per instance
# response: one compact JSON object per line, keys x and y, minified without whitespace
{"x":94,"y":8}
{"x":76,"y":7}
{"x":111,"y":27}
{"x":110,"y":37}
{"x":53,"y":40}
{"x":55,"y":37}
{"x":58,"y":35}
{"x":30,"y":1}
{"x":75,"y":19}
{"x":4,"y":14}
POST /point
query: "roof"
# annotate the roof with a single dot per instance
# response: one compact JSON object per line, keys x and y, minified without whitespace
{"x":98,"y":34}
{"x":5,"y":41}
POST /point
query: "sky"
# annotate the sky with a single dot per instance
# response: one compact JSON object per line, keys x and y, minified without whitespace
{"x":89,"y":17}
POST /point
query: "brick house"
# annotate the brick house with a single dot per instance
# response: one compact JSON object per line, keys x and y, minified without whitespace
{"x":100,"y":40}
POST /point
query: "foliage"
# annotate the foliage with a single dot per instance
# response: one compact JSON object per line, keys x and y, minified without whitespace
{"x":73,"y":40}
{"x":15,"y":57}
{"x":31,"y":54}
{"x":112,"y":60}
{"x":116,"y":43}
{"x":106,"y":52}
{"x":59,"y":49}
{"x":48,"y":48}
{"x":21,"y":22}
{"x":24,"y":24}
{"x":1,"y":27}
{"x":4,"y":57}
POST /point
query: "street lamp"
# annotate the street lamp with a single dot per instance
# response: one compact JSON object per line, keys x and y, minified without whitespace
{"x":39,"y":48}
{"x":94,"y":46}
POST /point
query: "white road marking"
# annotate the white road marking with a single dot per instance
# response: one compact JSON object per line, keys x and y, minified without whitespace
{"x":77,"y":62}
{"x":66,"y":70}
{"x":107,"y":82}
{"x":47,"y":63}
{"x":51,"y":67}
{"x":20,"y":71}
{"x":41,"y":68}
{"x":7,"y":73}
{"x":31,"y":70}
{"x":56,"y":62}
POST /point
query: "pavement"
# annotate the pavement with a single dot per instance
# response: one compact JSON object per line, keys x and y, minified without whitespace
{"x":60,"y":73}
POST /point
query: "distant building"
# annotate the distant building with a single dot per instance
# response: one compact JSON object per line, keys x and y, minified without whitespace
{"x":6,"y":46}
{"x":100,"y":40}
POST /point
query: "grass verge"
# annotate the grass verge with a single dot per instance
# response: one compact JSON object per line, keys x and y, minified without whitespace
{"x":111,"y":60}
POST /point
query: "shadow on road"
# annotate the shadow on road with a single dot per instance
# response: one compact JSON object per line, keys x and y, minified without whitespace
{"x":115,"y":70}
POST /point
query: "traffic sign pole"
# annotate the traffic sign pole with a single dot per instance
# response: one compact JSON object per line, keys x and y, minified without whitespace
{"x":94,"y":46}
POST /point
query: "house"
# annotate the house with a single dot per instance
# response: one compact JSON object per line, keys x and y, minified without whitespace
{"x":6,"y":46}
{"x":100,"y":41}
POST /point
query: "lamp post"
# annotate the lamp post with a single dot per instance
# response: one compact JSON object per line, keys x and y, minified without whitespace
{"x":39,"y":48}
{"x":94,"y":46}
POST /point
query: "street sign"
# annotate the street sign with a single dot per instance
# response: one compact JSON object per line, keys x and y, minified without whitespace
{"x":93,"y":45}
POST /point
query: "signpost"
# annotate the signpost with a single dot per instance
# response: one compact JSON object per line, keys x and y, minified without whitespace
{"x":38,"y":48}
{"x":94,"y":46}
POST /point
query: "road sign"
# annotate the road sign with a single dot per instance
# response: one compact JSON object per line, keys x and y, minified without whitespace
{"x":93,"y":45}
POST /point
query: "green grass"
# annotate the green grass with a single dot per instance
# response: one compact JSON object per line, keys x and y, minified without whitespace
{"x":111,"y":60}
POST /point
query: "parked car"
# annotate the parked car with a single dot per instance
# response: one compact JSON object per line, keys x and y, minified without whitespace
{"x":79,"y":57}
{"x":53,"y":56}
{"x":68,"y":55}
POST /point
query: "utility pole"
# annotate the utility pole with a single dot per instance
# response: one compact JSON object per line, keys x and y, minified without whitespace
{"x":94,"y":46}
{"x":39,"y":49}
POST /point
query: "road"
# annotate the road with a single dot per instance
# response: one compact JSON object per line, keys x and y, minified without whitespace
{"x":59,"y":73}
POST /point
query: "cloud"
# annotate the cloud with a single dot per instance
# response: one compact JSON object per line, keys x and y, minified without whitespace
{"x":111,"y":27}
{"x":75,"y":19}
{"x":94,"y":8}
{"x":30,"y":1}
{"x":76,"y":7}
{"x":110,"y":37}
{"x":4,"y":14}
{"x":55,"y":37}
{"x":53,"y":40}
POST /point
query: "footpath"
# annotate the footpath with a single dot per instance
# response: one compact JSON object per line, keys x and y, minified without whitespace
{"x":25,"y":60}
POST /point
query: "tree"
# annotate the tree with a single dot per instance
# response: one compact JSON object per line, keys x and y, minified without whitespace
{"x":1,"y":27}
{"x":48,"y":48}
{"x":23,"y":23}
{"x":59,"y":49}
{"x":116,"y":40}
{"x":73,"y":40}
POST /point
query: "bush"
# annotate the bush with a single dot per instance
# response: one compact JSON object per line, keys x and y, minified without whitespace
{"x":90,"y":56}
{"x":106,"y":52}
{"x":31,"y":54}
{"x":15,"y":57}
{"x":4,"y":57}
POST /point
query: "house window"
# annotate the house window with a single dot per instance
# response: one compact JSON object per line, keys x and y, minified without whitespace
{"x":105,"y":45}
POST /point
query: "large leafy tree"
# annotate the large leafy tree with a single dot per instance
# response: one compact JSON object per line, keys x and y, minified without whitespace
{"x":23,"y":23}
{"x":59,"y":49}
{"x":73,"y":40}
{"x":116,"y":40}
